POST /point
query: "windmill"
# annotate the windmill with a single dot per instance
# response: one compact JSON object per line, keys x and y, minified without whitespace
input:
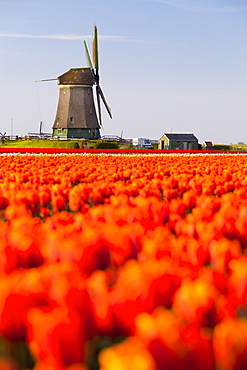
{"x":3,"y":137}
{"x":76,"y":116}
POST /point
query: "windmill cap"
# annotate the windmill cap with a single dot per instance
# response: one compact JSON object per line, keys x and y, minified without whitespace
{"x":77,"y":76}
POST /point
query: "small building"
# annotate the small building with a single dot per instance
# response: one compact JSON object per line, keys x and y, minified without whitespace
{"x":142,"y":142}
{"x":208,"y":145}
{"x":178,"y":142}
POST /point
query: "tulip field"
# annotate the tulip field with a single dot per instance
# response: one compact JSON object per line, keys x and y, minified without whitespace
{"x":123,"y":262}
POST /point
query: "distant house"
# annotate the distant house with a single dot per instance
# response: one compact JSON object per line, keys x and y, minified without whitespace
{"x":208,"y":144}
{"x":178,"y":142}
{"x":142,"y":142}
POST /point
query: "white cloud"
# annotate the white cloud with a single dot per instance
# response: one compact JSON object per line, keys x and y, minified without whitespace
{"x":200,"y":6}
{"x":68,"y":37}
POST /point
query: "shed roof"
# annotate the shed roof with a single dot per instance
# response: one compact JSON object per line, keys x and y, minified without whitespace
{"x":181,"y":137}
{"x":208,"y":143}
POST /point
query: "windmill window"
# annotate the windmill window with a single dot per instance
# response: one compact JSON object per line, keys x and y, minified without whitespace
{"x":57,"y":121}
{"x":71,"y":120}
{"x":59,"y":131}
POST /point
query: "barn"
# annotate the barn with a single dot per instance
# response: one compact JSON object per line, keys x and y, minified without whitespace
{"x":178,"y":142}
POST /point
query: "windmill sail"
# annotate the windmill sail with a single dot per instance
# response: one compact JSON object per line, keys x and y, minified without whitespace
{"x":88,"y":56}
{"x":93,"y":63}
{"x":95,"y":50}
{"x":99,"y":107}
{"x":104,"y":101}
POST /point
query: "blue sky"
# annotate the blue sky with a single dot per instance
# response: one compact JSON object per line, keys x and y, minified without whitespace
{"x":165,"y":65}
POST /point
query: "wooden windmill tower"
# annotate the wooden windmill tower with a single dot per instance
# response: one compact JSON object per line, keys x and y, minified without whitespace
{"x":76,"y":115}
